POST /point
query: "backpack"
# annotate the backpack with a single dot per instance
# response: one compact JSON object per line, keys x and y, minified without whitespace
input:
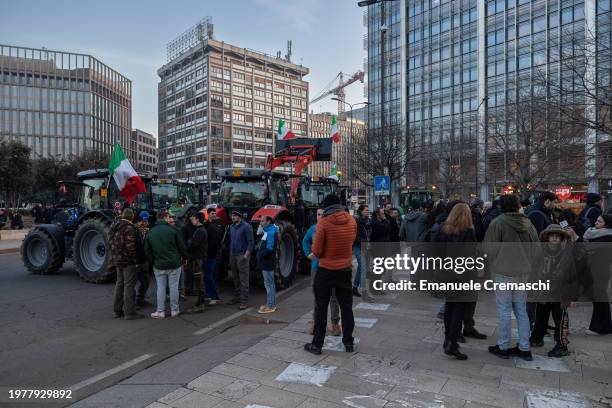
{"x":584,"y":219}
{"x":118,"y":244}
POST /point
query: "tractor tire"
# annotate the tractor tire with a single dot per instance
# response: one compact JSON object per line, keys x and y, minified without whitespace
{"x":286,"y":253}
{"x":40,"y":253}
{"x":91,"y":251}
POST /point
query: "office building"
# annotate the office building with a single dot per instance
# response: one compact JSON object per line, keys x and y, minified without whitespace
{"x":219,"y":105}
{"x":352,"y":141}
{"x":455,"y":76}
{"x":61,"y":103}
{"x":143,"y":148}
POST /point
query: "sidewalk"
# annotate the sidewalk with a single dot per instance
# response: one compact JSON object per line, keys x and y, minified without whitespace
{"x":10,"y":246}
{"x":399,"y":362}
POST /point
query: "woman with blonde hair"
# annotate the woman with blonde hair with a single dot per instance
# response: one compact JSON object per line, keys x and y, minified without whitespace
{"x":457,"y":228}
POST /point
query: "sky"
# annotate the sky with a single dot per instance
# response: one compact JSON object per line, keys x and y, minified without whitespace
{"x":131,"y":36}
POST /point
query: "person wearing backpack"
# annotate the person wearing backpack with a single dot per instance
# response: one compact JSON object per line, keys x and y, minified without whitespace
{"x":589,"y":214}
{"x":126,"y":254}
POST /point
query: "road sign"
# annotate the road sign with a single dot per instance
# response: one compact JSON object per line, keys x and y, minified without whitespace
{"x":382,"y":185}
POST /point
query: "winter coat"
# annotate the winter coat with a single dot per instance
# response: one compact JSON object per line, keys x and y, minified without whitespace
{"x":488,"y":217}
{"x":477,"y":221}
{"x":590,"y":213}
{"x":599,"y":256}
{"x":414,"y":227}
{"x":515,"y":259}
{"x":165,"y":247}
{"x":394,"y":229}
{"x":307,"y":246}
{"x":334,"y":237}
{"x":215,"y":232}
{"x":364,"y":229}
{"x":241,"y":238}
{"x":198,"y":243}
{"x":598,"y":235}
{"x":381,"y":230}
{"x":125,"y":244}
{"x":454,"y":251}
{"x":539,"y":216}
{"x":266,"y":254}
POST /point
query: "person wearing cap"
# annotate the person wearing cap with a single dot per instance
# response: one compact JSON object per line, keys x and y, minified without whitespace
{"x":332,"y":244}
{"x":145,"y":269}
{"x":589,"y":214}
{"x":559,"y":267}
{"x":241,"y":243}
{"x":165,"y":249}
{"x":126,"y":253}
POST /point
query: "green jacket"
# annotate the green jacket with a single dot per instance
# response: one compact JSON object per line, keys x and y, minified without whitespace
{"x":512,"y":245}
{"x":165,"y":247}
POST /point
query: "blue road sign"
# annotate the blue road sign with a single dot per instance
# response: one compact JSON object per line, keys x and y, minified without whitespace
{"x":382,"y":185}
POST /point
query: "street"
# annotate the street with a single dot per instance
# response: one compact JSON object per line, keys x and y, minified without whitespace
{"x":58,"y":331}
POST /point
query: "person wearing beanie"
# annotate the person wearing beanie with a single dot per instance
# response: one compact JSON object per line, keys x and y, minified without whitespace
{"x":126,"y":252}
{"x":332,"y":245}
{"x":593,"y":209}
{"x":145,"y":269}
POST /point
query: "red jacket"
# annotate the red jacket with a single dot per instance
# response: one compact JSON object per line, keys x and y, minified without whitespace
{"x":333,"y":240}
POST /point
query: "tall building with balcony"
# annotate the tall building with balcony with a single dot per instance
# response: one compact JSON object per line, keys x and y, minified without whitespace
{"x":219,"y":105}
{"x":455,"y":75}
{"x":61,"y":103}
{"x":143,"y":147}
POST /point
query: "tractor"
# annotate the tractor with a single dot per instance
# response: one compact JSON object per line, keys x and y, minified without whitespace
{"x":255,"y":193}
{"x":81,"y":224}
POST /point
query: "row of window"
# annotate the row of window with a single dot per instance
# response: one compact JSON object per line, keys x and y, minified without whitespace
{"x":45,"y":124}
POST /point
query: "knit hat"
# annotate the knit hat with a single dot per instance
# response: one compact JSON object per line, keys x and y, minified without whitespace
{"x":592,"y":198}
{"x":329,"y":200}
{"x":144,"y":215}
{"x":128,"y":214}
{"x":554,"y":229}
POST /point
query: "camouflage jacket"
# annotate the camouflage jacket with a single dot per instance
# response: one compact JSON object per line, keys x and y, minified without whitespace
{"x":125,"y":244}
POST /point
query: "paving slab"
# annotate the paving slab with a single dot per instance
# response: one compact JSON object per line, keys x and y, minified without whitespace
{"x":273,"y":397}
{"x":556,"y":399}
{"x":542,"y":363}
{"x":379,"y":307}
{"x":365,"y":322}
{"x":303,"y":374}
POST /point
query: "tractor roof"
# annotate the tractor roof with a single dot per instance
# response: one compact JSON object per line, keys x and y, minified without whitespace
{"x":93,"y":173}
{"x":249,"y":173}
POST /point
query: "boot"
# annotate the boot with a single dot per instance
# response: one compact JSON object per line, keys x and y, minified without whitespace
{"x":336,"y":330}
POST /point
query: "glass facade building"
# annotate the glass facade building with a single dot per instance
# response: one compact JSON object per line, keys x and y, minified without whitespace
{"x":449,"y":67}
{"x":219,"y":105}
{"x":62,"y":104}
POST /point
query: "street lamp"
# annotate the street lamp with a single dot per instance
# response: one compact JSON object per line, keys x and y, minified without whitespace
{"x":350,"y":144}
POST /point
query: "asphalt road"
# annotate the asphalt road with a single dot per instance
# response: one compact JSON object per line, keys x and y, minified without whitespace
{"x":58,"y":331}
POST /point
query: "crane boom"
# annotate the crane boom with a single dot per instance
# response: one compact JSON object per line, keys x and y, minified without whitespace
{"x":339,"y":90}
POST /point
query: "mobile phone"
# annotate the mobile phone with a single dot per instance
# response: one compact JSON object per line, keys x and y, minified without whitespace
{"x":563,"y":224}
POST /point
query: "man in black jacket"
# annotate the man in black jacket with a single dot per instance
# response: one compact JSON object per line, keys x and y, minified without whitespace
{"x":197,"y":246}
{"x":591,"y":212}
{"x":540,"y":214}
{"x":215,"y":237}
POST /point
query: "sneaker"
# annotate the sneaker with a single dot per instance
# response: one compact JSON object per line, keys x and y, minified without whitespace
{"x":311,"y":348}
{"x":117,"y":315}
{"x":536,"y":343}
{"x":499,"y":352}
{"x":242,"y":306}
{"x":524,"y":354}
{"x":213,"y":302}
{"x":175,"y":314}
{"x":134,"y":316}
{"x":266,"y":309}
{"x":158,"y":315}
{"x":558,"y":351}
{"x":590,"y":332}
{"x":336,"y":330}
{"x":356,"y":292}
{"x":475,"y":334}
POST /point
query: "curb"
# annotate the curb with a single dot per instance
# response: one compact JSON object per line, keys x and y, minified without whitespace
{"x":9,"y":251}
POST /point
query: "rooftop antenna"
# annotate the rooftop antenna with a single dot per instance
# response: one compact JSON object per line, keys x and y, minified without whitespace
{"x":288,"y":56}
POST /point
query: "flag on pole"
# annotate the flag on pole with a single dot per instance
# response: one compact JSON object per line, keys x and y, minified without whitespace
{"x":283,"y":133}
{"x":124,"y":175}
{"x":335,"y":133}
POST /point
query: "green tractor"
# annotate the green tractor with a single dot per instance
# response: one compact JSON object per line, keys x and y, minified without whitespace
{"x":81,"y":224}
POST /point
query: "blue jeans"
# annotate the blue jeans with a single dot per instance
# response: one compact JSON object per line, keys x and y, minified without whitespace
{"x":270,"y":287}
{"x":507,"y":301}
{"x":173,"y":277}
{"x":359,"y":281}
{"x":210,"y":286}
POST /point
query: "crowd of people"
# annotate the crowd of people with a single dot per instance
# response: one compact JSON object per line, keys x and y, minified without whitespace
{"x":167,"y":252}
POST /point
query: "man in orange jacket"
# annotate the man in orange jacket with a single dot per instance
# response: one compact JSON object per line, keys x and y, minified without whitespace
{"x":333,"y":245}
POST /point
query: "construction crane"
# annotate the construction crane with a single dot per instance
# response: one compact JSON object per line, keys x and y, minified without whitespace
{"x":339,"y":90}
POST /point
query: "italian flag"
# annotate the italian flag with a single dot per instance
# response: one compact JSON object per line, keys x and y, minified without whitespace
{"x":125,"y":176}
{"x":335,"y":133}
{"x":283,"y":133}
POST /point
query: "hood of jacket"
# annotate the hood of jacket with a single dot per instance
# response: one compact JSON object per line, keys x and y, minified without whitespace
{"x":516,"y":221}
{"x":594,"y":233}
{"x":340,"y":217}
{"x":332,"y":209}
{"x":413,"y":216}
